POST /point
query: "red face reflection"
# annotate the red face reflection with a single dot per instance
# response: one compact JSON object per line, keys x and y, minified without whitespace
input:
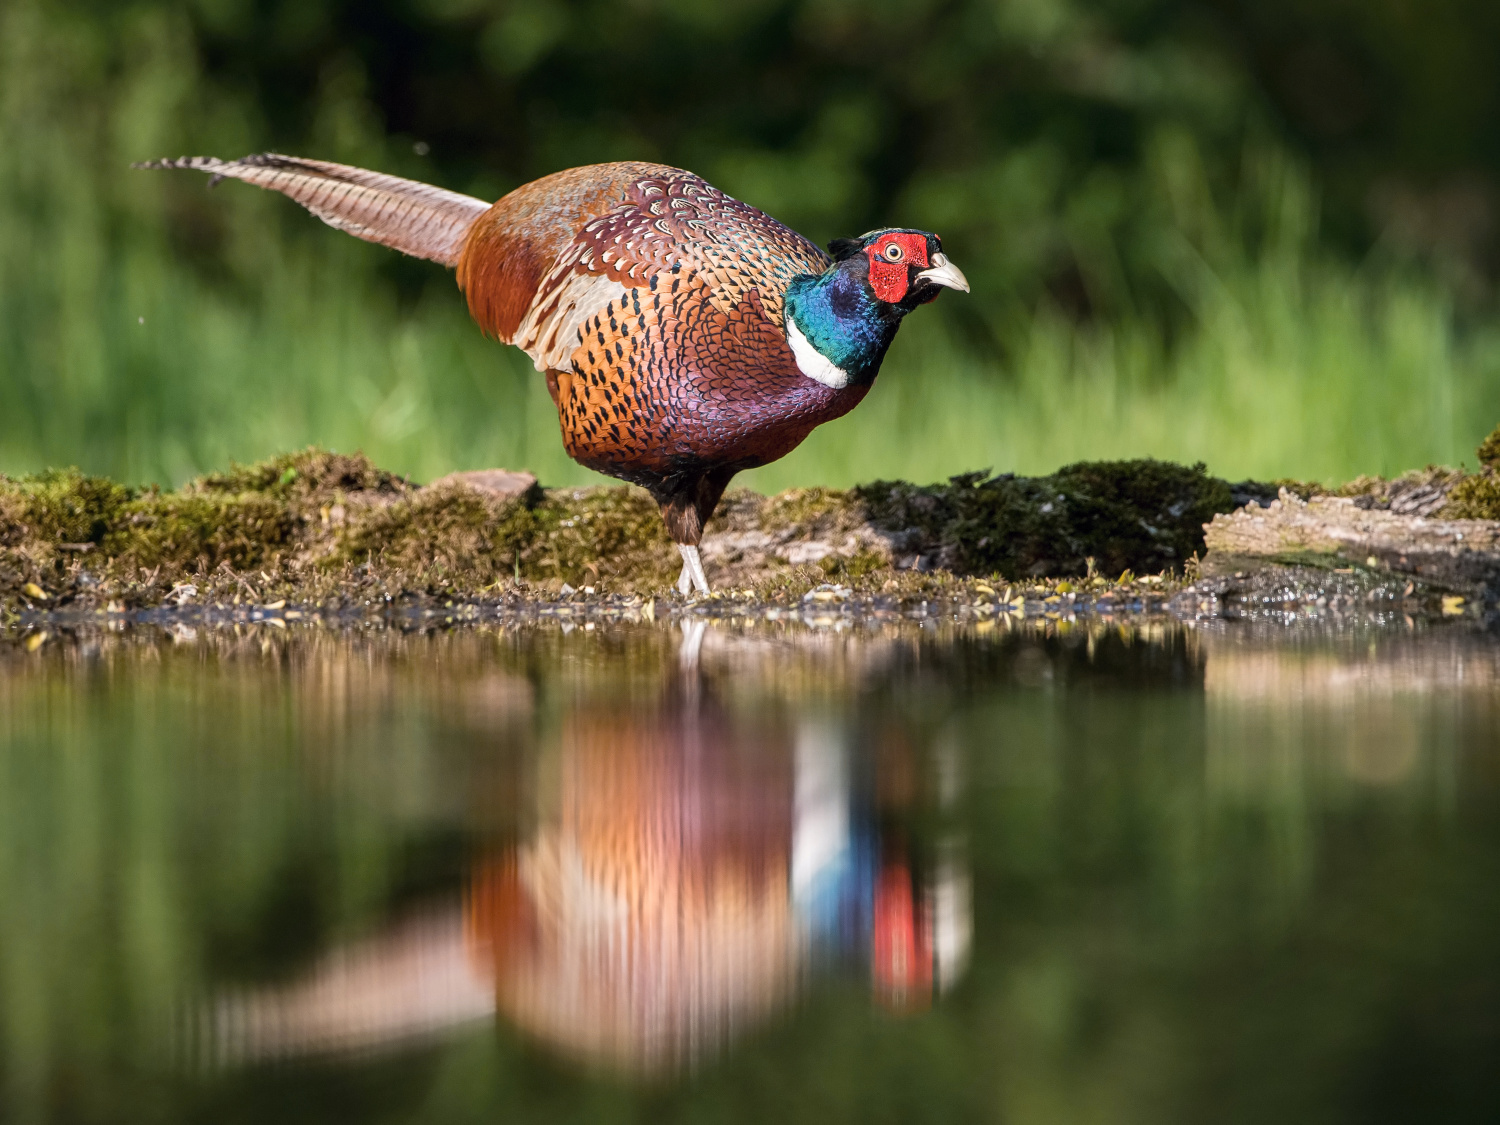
{"x":901,"y":960}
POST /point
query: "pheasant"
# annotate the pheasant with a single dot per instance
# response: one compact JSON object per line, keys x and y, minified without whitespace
{"x":684,"y":335}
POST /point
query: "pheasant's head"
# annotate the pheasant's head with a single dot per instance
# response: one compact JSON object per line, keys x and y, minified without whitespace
{"x":840,"y":322}
{"x":905,"y":268}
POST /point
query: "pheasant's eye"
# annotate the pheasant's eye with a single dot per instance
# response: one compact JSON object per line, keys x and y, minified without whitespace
{"x":894,"y":253}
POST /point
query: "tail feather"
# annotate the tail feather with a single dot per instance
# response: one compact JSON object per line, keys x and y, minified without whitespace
{"x":415,"y":218}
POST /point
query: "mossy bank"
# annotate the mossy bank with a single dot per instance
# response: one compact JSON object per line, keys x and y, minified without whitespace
{"x":335,"y":531}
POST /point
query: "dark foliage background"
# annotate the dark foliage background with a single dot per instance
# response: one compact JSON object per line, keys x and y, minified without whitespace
{"x":1247,"y":229}
{"x":836,"y":114}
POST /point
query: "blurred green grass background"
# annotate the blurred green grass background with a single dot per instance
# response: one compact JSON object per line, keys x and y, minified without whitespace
{"x":1177,"y":250}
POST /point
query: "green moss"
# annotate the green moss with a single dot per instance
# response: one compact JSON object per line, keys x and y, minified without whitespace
{"x":203,"y":526}
{"x":1475,"y":498}
{"x":1489,"y":450}
{"x":197,"y":532}
{"x":1303,"y":489}
{"x":615,"y":535}
{"x":444,"y":533}
{"x":458,"y":536}
{"x":1145,"y":516}
{"x":858,"y":565}
{"x":318,"y":526}
{"x":63,"y":529}
{"x":312,"y":476}
{"x":802,"y":506}
{"x":61,"y":506}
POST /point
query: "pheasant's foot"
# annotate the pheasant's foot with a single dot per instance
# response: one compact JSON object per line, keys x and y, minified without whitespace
{"x":692,"y":575}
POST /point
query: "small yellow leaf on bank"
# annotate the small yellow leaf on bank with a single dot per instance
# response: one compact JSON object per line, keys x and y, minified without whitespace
{"x":35,"y":592}
{"x":1453,"y":604}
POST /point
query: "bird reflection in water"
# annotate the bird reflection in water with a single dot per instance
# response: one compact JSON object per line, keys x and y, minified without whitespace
{"x":691,"y":870}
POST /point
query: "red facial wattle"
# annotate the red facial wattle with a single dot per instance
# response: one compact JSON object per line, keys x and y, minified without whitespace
{"x":888,"y":276}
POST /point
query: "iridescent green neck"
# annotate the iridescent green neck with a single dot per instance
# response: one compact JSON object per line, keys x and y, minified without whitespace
{"x":842,"y":322}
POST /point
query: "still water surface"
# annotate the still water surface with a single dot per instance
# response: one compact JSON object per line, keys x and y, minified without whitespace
{"x":1039,"y":874}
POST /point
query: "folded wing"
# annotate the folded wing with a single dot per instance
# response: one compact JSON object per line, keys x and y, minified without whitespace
{"x":558,"y":252}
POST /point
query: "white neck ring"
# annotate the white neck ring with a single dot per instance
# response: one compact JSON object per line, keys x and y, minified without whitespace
{"x":811,"y":362}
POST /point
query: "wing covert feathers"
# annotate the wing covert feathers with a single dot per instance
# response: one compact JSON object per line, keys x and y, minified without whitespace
{"x":527,"y":238}
{"x":556,"y":251}
{"x":415,"y":218}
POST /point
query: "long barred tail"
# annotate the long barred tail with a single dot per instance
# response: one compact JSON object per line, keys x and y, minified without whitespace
{"x":415,"y":218}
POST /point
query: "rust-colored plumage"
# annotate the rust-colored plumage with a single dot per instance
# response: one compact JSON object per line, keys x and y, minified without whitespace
{"x":654,"y":303}
{"x":656,"y":306}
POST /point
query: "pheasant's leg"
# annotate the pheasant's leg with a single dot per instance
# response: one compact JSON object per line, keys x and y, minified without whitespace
{"x":700,"y":579}
{"x":692,"y":570}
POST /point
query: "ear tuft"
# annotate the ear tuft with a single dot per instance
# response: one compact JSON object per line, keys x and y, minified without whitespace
{"x":842,"y":248}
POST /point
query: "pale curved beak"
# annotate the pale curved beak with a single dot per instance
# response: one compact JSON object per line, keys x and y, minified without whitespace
{"x":944,"y":272}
